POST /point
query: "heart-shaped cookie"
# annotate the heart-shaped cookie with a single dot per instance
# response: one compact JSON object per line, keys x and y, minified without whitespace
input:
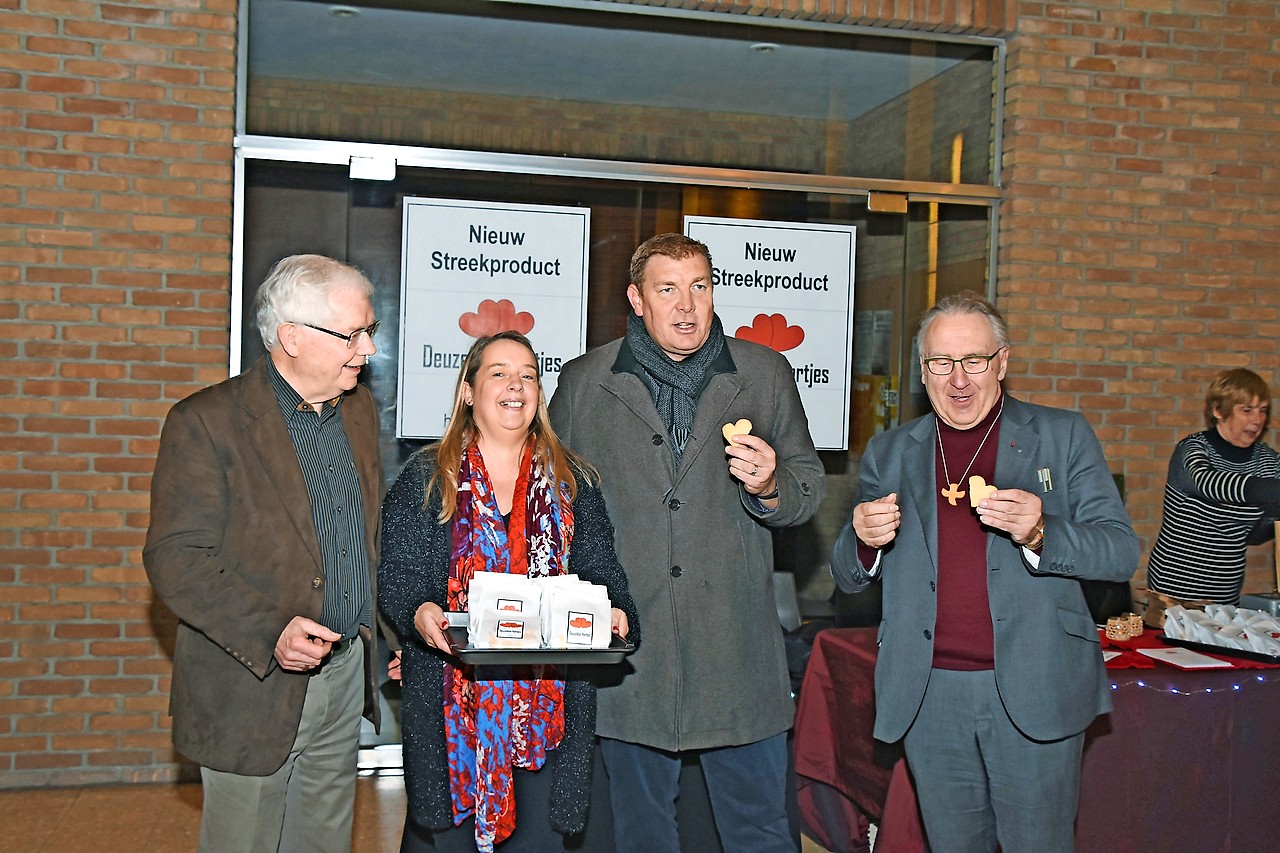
{"x":978,"y":490}
{"x":742,"y":427}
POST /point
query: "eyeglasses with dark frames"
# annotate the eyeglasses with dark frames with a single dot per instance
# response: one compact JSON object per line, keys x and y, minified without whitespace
{"x":940,"y":365}
{"x":351,"y":339}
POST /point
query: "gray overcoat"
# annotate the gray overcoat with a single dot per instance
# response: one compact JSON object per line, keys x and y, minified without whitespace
{"x":697,"y":550}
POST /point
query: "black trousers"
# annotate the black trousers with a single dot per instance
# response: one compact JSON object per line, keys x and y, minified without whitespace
{"x":533,"y":832}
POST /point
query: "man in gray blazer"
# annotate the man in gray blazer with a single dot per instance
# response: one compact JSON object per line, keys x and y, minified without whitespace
{"x":980,"y":520}
{"x":264,"y":523}
{"x":693,"y":515}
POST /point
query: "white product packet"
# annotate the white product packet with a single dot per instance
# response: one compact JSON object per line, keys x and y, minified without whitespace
{"x":1261,"y":642}
{"x":1261,"y":621}
{"x":1223,"y":614}
{"x":1174,"y":622}
{"x":503,"y":611}
{"x":575,"y":614}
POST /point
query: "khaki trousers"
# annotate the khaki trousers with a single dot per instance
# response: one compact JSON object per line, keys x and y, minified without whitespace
{"x":309,"y":803}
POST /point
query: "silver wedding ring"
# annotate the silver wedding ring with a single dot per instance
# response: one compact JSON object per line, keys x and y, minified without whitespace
{"x":755,"y":470}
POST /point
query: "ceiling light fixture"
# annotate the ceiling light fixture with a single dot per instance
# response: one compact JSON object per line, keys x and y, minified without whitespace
{"x":763,"y":47}
{"x":372,"y":169}
{"x":344,"y":11}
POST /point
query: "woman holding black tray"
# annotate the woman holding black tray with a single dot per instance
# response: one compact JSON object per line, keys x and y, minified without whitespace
{"x":500,"y":761}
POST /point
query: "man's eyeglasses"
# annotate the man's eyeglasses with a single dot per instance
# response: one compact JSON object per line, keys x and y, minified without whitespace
{"x":353,"y":338}
{"x":942,"y":366}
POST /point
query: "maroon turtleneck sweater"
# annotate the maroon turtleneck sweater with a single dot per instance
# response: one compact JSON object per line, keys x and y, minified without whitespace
{"x":962,"y":635}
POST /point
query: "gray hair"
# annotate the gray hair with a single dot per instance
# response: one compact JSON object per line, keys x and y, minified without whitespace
{"x":966,"y":302}
{"x":297,"y":289}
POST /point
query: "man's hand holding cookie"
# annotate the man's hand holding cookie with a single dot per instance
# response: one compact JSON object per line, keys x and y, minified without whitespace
{"x":751,"y":461}
{"x":876,"y":522}
{"x":1014,"y":511}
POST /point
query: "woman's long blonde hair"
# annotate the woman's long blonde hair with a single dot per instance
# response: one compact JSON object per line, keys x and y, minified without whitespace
{"x":561,"y":463}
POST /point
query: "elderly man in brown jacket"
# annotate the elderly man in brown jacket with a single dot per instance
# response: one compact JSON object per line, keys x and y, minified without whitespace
{"x":264,"y":522}
{"x":693,"y":520}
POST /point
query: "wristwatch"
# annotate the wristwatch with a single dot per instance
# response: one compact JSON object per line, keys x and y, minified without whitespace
{"x":1037,"y":539}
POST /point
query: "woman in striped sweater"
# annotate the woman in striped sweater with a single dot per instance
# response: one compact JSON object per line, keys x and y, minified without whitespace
{"x":1223,"y":493}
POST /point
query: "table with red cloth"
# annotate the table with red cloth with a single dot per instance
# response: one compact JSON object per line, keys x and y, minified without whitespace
{"x":1186,"y":760}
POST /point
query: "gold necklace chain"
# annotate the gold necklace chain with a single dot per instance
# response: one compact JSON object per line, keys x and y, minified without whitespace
{"x":952,"y":491}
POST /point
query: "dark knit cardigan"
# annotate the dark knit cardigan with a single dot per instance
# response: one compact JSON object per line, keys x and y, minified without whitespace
{"x":415,"y":569}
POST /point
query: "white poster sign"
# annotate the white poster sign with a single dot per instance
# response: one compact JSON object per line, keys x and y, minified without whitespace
{"x":471,"y":269}
{"x":789,"y":286}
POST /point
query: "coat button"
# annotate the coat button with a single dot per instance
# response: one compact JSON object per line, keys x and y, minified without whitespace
{"x":676,"y":571}
{"x":316,"y":583}
{"x":927,"y":635}
{"x":674,"y":504}
{"x":657,"y":439}
{"x":933,"y":587}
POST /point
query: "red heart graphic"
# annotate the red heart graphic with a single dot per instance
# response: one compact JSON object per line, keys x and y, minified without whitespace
{"x":491,"y":317}
{"x":772,"y":331}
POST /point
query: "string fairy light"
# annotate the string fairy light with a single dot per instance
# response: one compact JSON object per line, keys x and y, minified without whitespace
{"x":1235,"y":687}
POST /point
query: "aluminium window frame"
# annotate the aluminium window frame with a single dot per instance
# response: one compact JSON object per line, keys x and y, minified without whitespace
{"x":249,"y":147}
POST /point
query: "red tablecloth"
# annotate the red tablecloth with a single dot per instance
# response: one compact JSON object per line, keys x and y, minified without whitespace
{"x":1186,"y":762}
{"x":844,"y":775}
{"x":1152,"y":639}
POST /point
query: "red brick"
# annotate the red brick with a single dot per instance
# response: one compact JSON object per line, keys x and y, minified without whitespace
{"x":47,"y":687}
{"x":46,"y":761}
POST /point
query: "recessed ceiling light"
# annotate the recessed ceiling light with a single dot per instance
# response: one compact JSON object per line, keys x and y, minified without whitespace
{"x":344,"y":11}
{"x":764,"y":47}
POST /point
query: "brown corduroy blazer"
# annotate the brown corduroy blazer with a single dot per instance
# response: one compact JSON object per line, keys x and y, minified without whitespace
{"x":232,"y":551}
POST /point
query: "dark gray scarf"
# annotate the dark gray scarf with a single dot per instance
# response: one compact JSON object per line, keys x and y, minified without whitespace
{"x":679,"y":382}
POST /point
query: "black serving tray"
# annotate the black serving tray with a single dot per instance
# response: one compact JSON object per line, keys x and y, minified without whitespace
{"x":464,"y":651}
{"x":1221,"y":650}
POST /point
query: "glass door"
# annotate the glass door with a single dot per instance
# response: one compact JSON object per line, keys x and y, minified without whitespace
{"x":903,"y":262}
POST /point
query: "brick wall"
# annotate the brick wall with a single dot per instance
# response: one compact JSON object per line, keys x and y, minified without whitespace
{"x":115,"y":174}
{"x":1138,"y":245}
{"x":1137,"y":256}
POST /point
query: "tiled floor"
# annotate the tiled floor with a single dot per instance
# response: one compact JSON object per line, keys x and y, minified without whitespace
{"x":161,"y":818}
{"x":166,"y":818}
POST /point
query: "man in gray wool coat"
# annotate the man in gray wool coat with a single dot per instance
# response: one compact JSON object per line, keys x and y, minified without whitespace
{"x":694,"y":515}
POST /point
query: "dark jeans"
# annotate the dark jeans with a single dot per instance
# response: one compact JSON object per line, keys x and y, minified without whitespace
{"x":746,"y":785}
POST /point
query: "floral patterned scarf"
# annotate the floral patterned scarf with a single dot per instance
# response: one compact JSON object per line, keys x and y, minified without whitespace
{"x":494,"y":725}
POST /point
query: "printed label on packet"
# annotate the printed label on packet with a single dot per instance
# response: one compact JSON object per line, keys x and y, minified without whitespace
{"x":580,"y":625}
{"x":515,"y":604}
{"x":510,"y":631}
